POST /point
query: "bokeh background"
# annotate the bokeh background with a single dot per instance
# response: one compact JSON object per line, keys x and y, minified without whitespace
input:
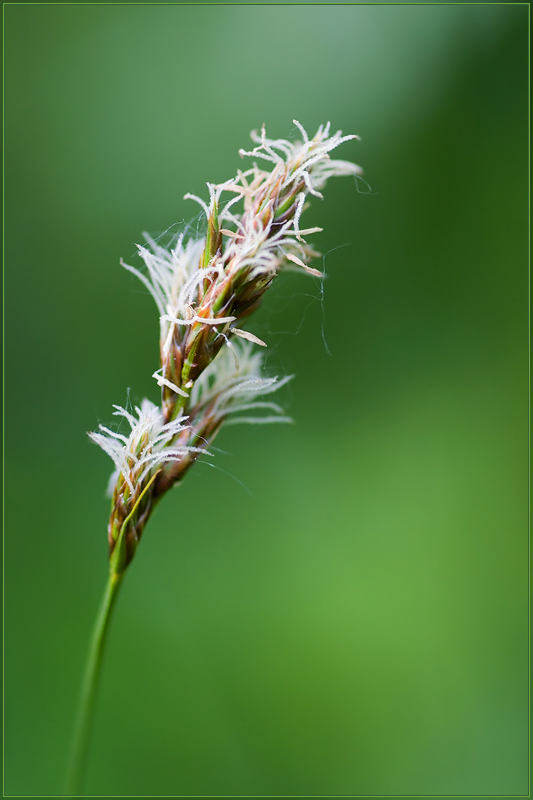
{"x":340,"y":607}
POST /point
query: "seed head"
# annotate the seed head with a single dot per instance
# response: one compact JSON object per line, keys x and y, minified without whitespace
{"x":204,"y":288}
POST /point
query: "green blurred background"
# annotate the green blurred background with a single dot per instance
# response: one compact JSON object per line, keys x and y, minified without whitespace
{"x":341,"y":606}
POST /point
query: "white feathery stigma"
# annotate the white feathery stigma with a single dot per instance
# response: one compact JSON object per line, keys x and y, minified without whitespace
{"x":230,"y":385}
{"x":148,"y":445}
{"x":308,"y":160}
{"x":172,"y":277}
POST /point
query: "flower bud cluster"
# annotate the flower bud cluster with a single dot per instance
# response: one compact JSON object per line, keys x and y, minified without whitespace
{"x":204,"y":289}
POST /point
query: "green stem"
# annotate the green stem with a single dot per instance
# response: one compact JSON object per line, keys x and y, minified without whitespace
{"x":82,"y":732}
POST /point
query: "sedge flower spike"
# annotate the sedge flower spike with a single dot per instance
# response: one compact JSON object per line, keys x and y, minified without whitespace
{"x":211,"y":372}
{"x":204,"y":289}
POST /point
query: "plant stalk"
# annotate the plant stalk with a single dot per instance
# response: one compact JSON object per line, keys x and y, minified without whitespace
{"x":82,"y":731}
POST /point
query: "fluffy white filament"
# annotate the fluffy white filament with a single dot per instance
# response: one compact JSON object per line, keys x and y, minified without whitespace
{"x":230,"y":385}
{"x":145,"y":448}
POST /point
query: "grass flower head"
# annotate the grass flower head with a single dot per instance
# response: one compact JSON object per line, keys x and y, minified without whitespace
{"x":210,"y":374}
